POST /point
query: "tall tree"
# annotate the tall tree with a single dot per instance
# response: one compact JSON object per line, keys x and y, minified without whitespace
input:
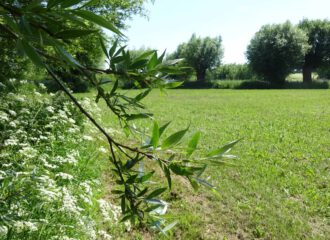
{"x":201,"y":54}
{"x":276,"y":50}
{"x":318,"y":32}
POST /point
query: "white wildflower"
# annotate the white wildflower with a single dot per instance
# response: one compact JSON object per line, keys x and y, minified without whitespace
{"x":42,"y":86}
{"x":64,"y":176}
{"x":86,"y":187}
{"x":21,"y":226}
{"x":104,"y":235}
{"x":69,"y":203}
{"x":103,"y":150}
{"x":87,"y":138}
{"x":50,"y":109}
{"x":3,"y":231}
{"x":13,"y":124}
{"x":2,"y":175}
{"x":4,"y":116}
{"x":13,"y":113}
{"x":28,"y":152}
{"x":11,"y":142}
{"x":38,"y":94}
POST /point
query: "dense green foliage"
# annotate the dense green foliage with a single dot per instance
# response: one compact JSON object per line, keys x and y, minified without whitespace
{"x":232,"y":72}
{"x":279,"y":186}
{"x":276,"y":50}
{"x":318,"y":56}
{"x":201,"y":54}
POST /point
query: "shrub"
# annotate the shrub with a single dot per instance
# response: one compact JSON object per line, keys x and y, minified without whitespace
{"x":48,"y":171}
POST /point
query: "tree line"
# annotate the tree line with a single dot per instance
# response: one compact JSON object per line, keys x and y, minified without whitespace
{"x":274,"y":52}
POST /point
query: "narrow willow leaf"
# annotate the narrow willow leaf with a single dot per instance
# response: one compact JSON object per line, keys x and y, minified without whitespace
{"x":142,"y":95}
{"x":163,"y":128}
{"x":193,"y":183}
{"x":155,"y":135}
{"x":53,"y":3}
{"x":69,"y":3}
{"x":152,"y":62}
{"x":74,"y":33}
{"x":170,"y":226}
{"x":66,"y":56}
{"x":123,"y":204}
{"x":104,"y":49}
{"x":168,"y":176}
{"x":97,"y":20}
{"x":224,"y":149}
{"x":156,"y":193}
{"x":136,"y":116}
{"x":181,"y":170}
{"x":173,"y":139}
{"x":113,"y":48}
{"x":205,"y":183}
{"x":114,"y":88}
{"x":173,"y":84}
{"x":146,"y":177}
{"x":192,"y":145}
{"x":31,"y":52}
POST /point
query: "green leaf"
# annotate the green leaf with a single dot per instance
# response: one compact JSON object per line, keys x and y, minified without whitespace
{"x":104,"y":49}
{"x":152,"y":62}
{"x":123,"y":204}
{"x":170,"y":226}
{"x":173,"y":139}
{"x":142,"y":95}
{"x":146,"y":177}
{"x":74,"y":33}
{"x":138,"y":64}
{"x":145,"y":55}
{"x":193,"y":183}
{"x":69,"y":3}
{"x":113,"y":48}
{"x":205,"y":183}
{"x":66,"y":56}
{"x":163,"y":128}
{"x":155,"y":135}
{"x":224,"y":149}
{"x":156,"y":193}
{"x":168,"y":176}
{"x":181,"y":170}
{"x":53,"y":3}
{"x":132,"y":117}
{"x":192,"y":145}
{"x":97,"y":20}
{"x":173,"y":84}
{"x":114,"y":88}
{"x":30,"y":52}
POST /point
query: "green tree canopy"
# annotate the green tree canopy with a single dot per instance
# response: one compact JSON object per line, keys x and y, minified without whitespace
{"x":318,"y":56}
{"x":276,"y":50}
{"x":201,"y":54}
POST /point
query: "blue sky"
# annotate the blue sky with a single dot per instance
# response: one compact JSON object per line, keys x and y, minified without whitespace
{"x":172,"y":22}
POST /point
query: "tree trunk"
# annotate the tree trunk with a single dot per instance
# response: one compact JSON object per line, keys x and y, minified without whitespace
{"x":201,"y":75}
{"x":307,"y":74}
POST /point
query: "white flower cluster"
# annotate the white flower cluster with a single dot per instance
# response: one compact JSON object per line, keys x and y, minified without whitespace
{"x":44,"y":176}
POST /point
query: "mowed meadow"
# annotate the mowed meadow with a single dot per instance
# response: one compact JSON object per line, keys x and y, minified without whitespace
{"x":276,"y":188}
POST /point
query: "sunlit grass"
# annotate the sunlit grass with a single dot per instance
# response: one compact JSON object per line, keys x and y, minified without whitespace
{"x":279,"y":188}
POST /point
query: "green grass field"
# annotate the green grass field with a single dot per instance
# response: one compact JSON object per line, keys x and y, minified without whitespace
{"x":280,"y":186}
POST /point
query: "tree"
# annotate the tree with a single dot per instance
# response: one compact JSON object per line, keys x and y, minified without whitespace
{"x":318,"y":56}
{"x":276,"y":50}
{"x":47,"y":26}
{"x":201,"y":54}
